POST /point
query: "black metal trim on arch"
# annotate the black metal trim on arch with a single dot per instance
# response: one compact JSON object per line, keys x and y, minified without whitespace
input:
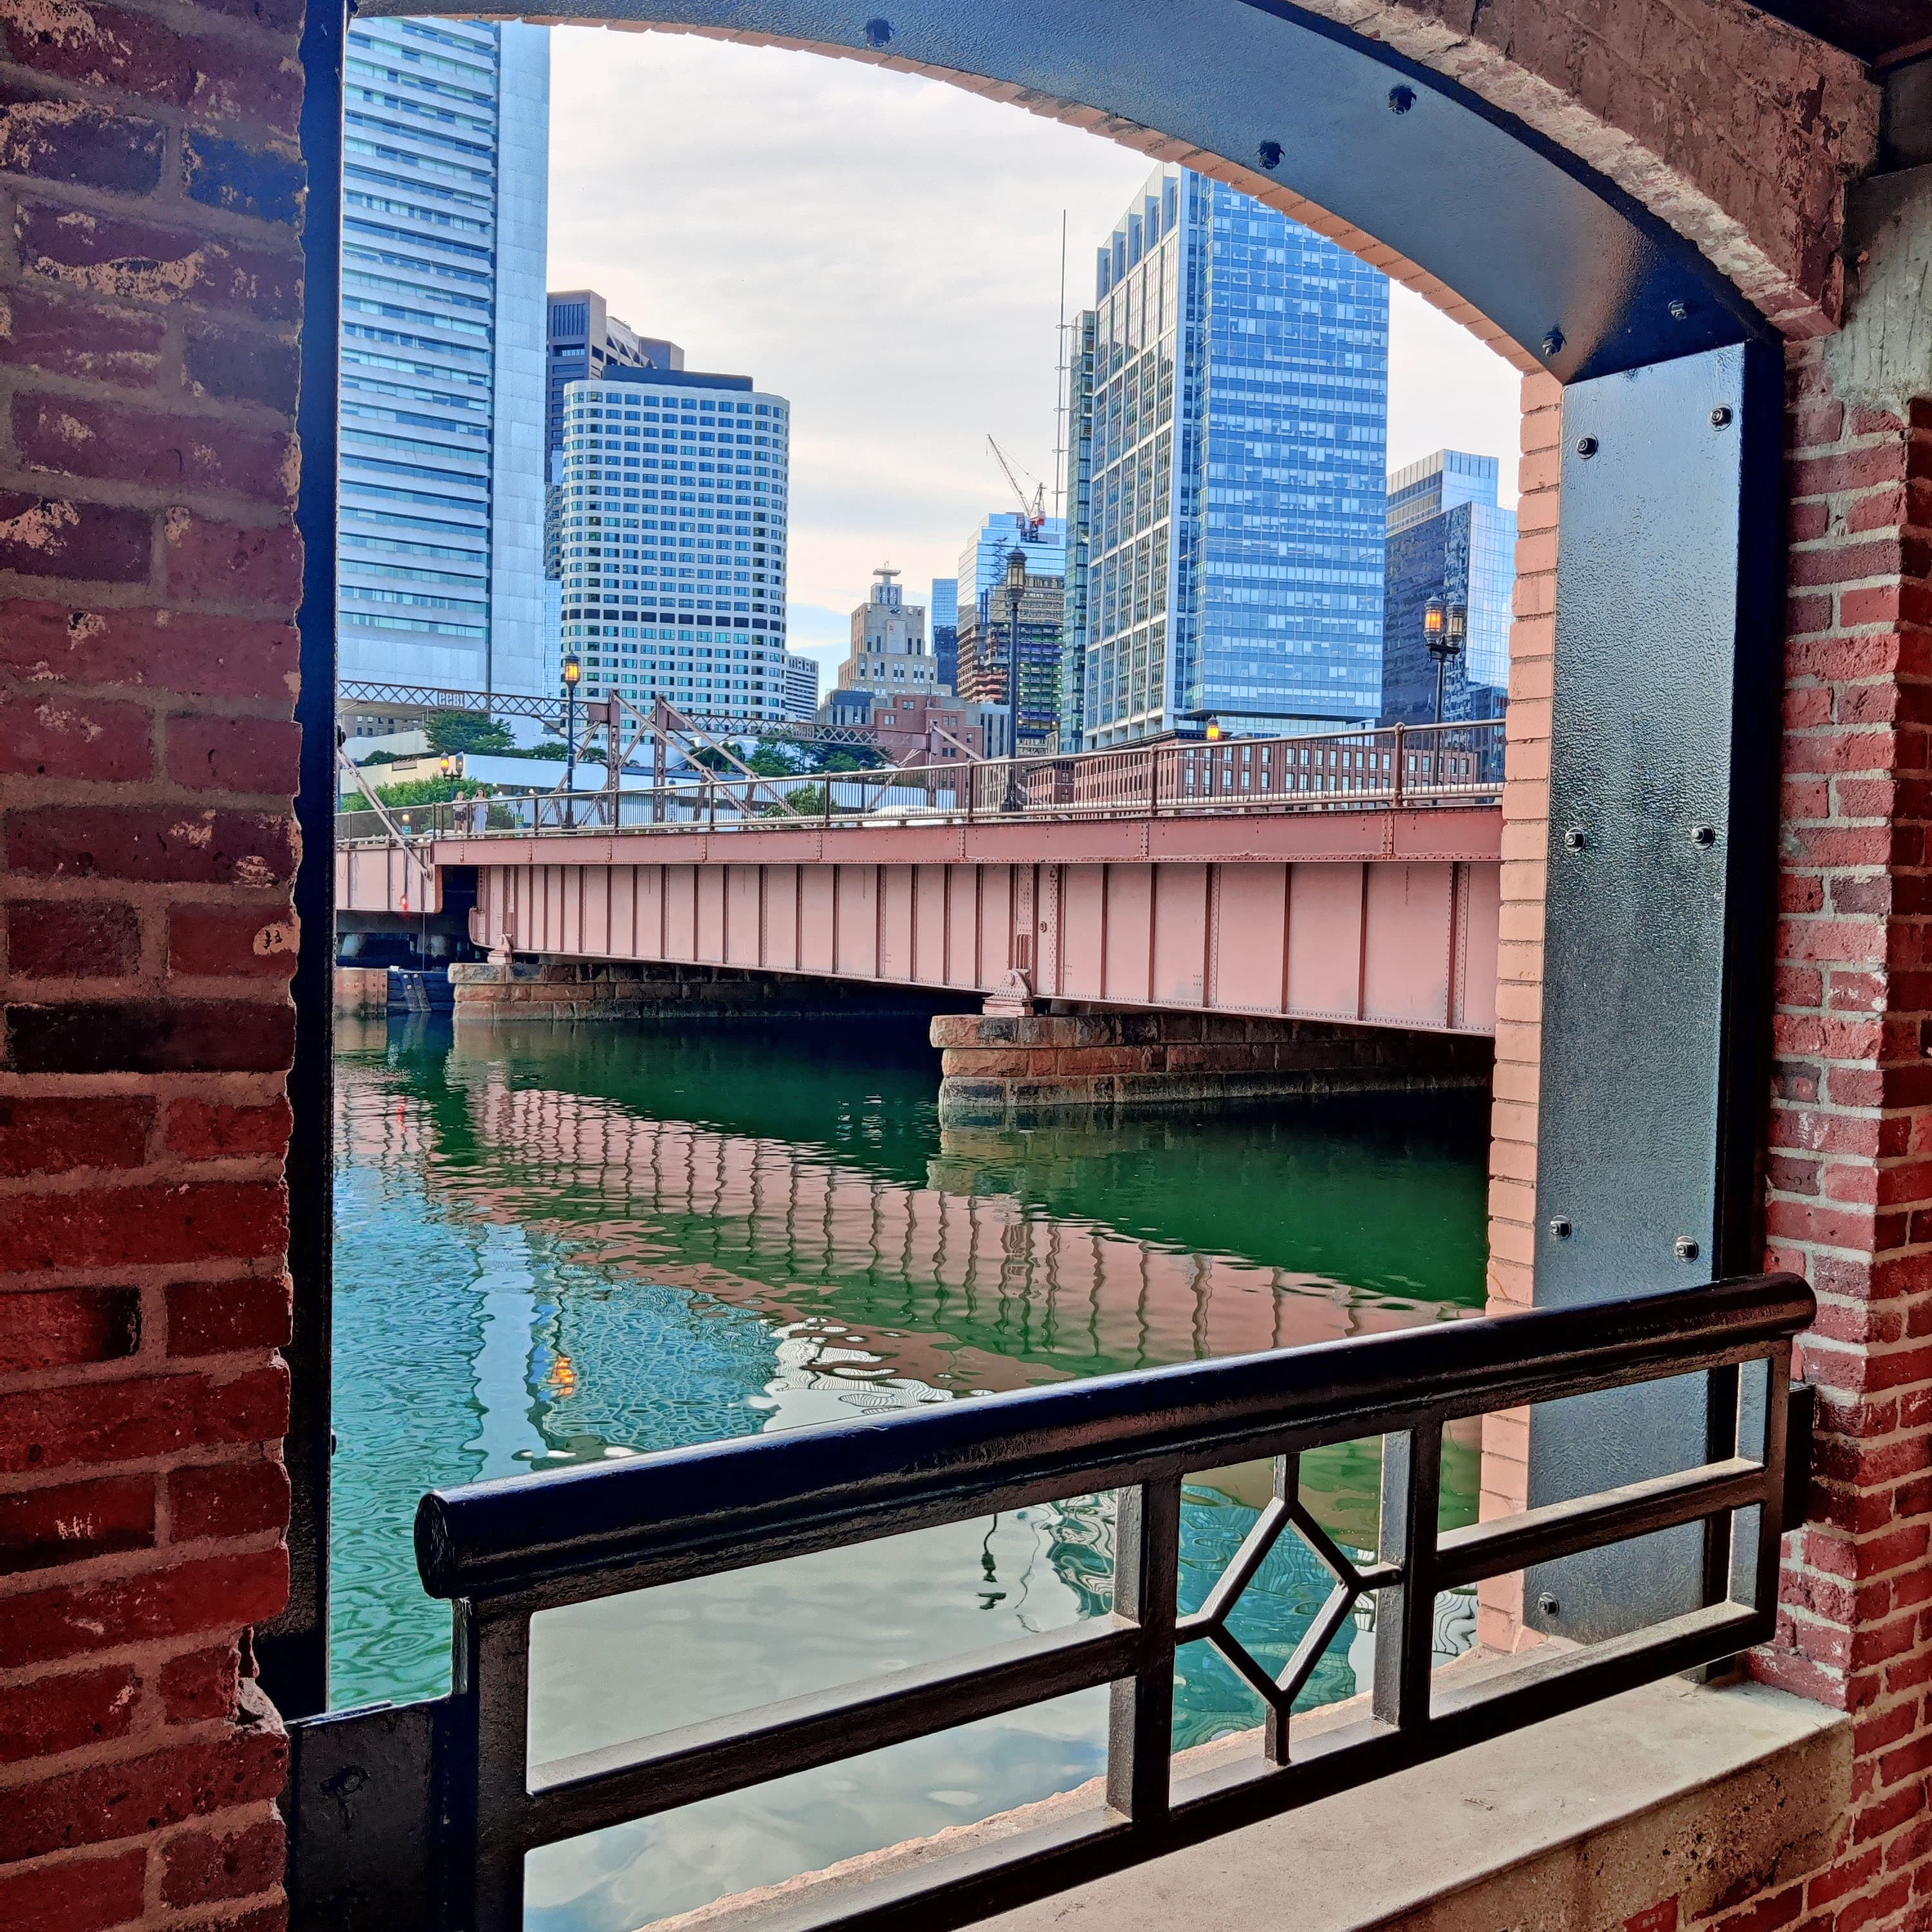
{"x":1564,"y":261}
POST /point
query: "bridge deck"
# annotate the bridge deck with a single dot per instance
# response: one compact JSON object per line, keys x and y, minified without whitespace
{"x":1384,"y":917}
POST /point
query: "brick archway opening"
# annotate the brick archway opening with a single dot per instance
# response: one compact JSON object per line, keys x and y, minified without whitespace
{"x":151,"y":340}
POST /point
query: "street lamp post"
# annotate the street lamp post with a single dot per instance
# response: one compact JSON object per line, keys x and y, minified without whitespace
{"x":1445,"y":627}
{"x":573,"y":675}
{"x":1016,"y":587}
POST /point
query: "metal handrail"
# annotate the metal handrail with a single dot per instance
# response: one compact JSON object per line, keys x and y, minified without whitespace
{"x":505,"y":1550}
{"x":1406,"y":767}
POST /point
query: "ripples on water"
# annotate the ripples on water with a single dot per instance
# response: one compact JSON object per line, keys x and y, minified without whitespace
{"x":558,"y":1246}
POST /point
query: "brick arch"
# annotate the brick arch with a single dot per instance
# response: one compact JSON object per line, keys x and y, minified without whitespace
{"x":1736,"y":131}
{"x":1739,"y":131}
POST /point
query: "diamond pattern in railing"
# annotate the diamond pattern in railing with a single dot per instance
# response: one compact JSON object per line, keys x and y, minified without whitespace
{"x":1211,"y":1622}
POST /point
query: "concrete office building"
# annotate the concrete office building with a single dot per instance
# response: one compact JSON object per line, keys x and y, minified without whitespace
{"x":1447,"y":538}
{"x":445,"y":146}
{"x":585,"y":338}
{"x":1232,"y":431}
{"x":673,"y":522}
{"x":888,"y":650}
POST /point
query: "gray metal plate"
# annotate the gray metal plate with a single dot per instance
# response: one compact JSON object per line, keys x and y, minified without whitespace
{"x":1665,"y":656}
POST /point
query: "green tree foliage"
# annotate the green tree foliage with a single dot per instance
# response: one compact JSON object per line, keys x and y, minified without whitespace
{"x":846,"y":758}
{"x":430,"y":791}
{"x":466,"y":731}
{"x":770,"y":759}
{"x":801,"y":801}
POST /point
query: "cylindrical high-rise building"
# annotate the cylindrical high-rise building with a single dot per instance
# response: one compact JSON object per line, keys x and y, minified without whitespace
{"x":671,"y":525}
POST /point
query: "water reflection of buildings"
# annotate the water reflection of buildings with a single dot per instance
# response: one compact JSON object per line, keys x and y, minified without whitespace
{"x":531,"y":1274}
{"x":947,"y":1286}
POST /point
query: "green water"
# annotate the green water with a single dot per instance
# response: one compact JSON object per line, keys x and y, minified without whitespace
{"x":557,"y":1246}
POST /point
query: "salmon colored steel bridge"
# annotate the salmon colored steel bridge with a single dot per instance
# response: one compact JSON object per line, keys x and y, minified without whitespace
{"x":1353,"y":877}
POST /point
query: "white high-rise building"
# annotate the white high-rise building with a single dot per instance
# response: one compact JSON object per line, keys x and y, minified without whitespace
{"x":445,"y":181}
{"x":801,"y":675}
{"x":672,"y":540}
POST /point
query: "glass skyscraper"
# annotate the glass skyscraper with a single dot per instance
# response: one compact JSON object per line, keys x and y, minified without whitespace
{"x":672,"y":536}
{"x":1447,"y":539}
{"x":945,"y":609}
{"x":445,"y":166}
{"x":1079,"y":482}
{"x":1232,"y":434}
{"x":982,"y":563}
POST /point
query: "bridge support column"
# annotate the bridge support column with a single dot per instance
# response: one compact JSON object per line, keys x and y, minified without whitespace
{"x":997,"y":1068}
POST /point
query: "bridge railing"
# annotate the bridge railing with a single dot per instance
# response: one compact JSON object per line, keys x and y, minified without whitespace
{"x":458,"y":1800}
{"x":1391,"y":766}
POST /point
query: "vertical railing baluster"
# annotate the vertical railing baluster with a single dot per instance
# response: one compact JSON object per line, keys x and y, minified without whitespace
{"x":1723,"y":1392}
{"x":488,"y":1781}
{"x":1275,"y":1735}
{"x":1776,"y":1375}
{"x":1147,"y":1583}
{"x":1405,"y":1619}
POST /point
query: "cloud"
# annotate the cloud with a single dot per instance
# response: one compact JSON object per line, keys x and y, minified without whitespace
{"x":885,"y":250}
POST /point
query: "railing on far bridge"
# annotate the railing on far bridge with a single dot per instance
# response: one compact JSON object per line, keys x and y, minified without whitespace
{"x":1392,"y":766}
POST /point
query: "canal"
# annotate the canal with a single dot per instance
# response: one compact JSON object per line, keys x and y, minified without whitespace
{"x":556,"y":1247}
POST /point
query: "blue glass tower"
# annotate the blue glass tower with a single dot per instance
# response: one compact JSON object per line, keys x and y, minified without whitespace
{"x":1447,"y":539}
{"x":982,"y":563}
{"x":1232,"y":545}
{"x":945,"y":612}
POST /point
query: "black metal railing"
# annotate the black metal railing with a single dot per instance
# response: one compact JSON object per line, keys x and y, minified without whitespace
{"x":450,"y":1845}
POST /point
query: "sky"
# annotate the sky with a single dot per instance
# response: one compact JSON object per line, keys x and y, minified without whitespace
{"x":884,"y":251}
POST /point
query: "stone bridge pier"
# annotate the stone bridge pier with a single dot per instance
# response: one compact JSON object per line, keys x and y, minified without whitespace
{"x":1002,"y":1068}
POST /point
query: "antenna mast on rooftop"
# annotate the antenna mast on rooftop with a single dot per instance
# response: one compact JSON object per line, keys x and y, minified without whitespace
{"x":1062,"y":393}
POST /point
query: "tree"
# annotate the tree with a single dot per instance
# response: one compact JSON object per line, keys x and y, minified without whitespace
{"x":429,"y":791}
{"x":466,"y":731}
{"x":801,"y":801}
{"x":773,"y":760}
{"x":846,"y":758}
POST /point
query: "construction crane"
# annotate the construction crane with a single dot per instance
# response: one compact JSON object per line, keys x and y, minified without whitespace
{"x":1032,"y":514}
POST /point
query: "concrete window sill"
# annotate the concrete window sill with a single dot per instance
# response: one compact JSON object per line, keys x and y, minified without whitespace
{"x":1706,"y":1794}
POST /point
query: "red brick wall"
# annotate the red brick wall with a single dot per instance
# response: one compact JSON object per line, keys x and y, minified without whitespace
{"x":1849,"y":1200}
{"x":149,"y":289}
{"x":1739,"y":131}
